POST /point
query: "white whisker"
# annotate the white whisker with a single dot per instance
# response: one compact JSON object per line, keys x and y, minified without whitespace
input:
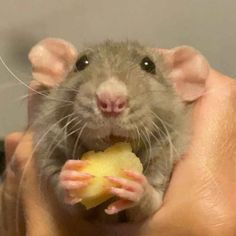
{"x":172,"y":148}
{"x":148,"y":146}
{"x":77,"y":140}
{"x":26,"y":85}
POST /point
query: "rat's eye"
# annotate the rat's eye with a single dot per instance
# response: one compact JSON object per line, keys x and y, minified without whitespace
{"x":148,"y":65}
{"x":82,"y":63}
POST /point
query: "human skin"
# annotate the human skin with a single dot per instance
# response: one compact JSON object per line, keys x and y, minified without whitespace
{"x":201,"y":197}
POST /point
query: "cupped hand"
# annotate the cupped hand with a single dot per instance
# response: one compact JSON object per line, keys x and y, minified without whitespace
{"x":201,"y":198}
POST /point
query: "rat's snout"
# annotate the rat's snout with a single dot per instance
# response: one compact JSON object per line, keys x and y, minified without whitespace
{"x":111,"y":104}
{"x":112,"y":97}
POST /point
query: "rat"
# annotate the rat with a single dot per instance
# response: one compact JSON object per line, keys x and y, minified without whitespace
{"x":112,"y":91}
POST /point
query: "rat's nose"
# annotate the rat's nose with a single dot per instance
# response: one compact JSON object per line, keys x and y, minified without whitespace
{"x":111,"y":104}
{"x":112,"y":97}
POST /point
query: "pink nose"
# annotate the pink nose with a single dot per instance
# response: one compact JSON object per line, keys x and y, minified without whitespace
{"x":111,"y":105}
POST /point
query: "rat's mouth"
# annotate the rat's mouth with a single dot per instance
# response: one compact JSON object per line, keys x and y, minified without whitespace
{"x":101,"y":137}
{"x":112,"y":139}
{"x":116,"y":139}
{"x":114,"y":133}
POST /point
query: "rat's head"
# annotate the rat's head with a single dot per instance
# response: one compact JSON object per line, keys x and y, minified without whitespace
{"x":120,"y":90}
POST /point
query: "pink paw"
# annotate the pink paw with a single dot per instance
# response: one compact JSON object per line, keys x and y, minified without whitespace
{"x":70,"y":179}
{"x":130,"y":191}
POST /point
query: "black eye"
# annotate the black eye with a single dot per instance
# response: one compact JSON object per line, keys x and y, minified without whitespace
{"x":148,"y":65}
{"x":82,"y":63}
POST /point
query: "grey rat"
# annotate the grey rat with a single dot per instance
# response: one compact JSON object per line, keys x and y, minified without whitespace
{"x":113,"y":90}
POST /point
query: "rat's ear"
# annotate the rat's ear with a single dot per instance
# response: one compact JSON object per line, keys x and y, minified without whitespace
{"x":52,"y":59}
{"x":187,"y":70}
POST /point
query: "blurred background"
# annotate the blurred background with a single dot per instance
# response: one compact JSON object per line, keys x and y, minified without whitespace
{"x":208,"y":25}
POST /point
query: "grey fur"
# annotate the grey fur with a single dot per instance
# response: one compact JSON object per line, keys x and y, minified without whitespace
{"x":150,"y":96}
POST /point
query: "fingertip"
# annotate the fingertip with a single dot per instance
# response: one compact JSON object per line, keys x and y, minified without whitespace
{"x":72,"y":201}
{"x":10,"y":143}
{"x":111,"y":210}
{"x":13,"y":137}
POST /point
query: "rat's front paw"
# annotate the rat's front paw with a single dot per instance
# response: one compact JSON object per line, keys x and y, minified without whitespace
{"x":130,"y":190}
{"x":71,"y":180}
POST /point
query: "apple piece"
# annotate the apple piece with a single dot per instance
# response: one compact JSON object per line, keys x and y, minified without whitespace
{"x":111,"y":162}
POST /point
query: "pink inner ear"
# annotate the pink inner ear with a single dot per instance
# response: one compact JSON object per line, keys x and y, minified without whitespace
{"x":189,"y":91}
{"x":188,"y":71}
{"x":52,"y":60}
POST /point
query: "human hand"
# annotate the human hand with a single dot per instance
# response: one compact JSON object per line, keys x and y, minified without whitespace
{"x":22,"y":204}
{"x":201,"y":198}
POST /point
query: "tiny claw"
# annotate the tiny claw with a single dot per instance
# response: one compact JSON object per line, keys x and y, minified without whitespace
{"x":109,"y":177}
{"x":135,"y":176}
{"x":127,"y":171}
{"x":115,"y":190}
{"x":111,"y":210}
{"x":84,"y":161}
{"x":74,"y":201}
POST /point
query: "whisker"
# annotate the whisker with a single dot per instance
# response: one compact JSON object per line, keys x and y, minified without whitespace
{"x":61,"y":140}
{"x":18,"y":79}
{"x":47,"y":114}
{"x":138,"y":136}
{"x":54,"y":144}
{"x":147,"y":146}
{"x":9,"y":85}
{"x":160,"y":132}
{"x":66,"y":135}
{"x":77,"y":140}
{"x":158,"y":140}
{"x":26,"y":85}
{"x":150,"y":148}
{"x":172,"y":148}
{"x":66,"y":131}
{"x":163,"y":122}
{"x":49,"y":151}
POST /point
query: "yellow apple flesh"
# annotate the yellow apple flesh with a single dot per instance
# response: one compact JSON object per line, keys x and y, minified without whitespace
{"x":111,"y":162}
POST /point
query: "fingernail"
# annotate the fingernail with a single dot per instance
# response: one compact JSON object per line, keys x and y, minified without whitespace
{"x":113,"y":190}
{"x":87,"y":175}
{"x":108,"y":177}
{"x":111,"y":210}
{"x":84,"y":162}
{"x":75,"y":201}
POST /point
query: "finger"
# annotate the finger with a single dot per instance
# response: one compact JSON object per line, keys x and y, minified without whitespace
{"x":74,"y":164}
{"x":136,"y":176}
{"x":11,"y":142}
{"x":74,"y":175}
{"x":118,"y":206}
{"x":23,"y":152}
{"x":73,"y":185}
{"x":125,"y":194}
{"x":125,"y":183}
{"x":70,"y":199}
